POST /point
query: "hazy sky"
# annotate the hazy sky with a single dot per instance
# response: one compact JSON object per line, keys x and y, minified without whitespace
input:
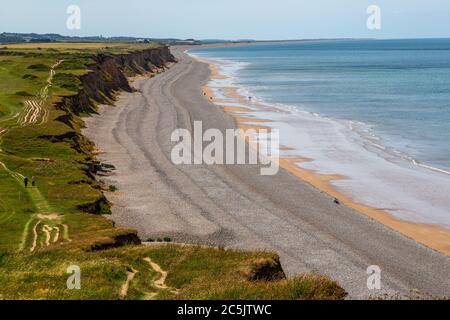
{"x":230,"y":19}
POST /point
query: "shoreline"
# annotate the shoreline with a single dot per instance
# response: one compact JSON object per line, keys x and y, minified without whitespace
{"x":433,"y":236}
{"x":234,"y":206}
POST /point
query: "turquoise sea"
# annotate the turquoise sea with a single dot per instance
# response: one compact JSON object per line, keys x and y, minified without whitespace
{"x":374,"y":111}
{"x":401,"y":88}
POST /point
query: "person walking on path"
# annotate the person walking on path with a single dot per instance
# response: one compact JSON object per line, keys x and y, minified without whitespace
{"x":33,"y":181}
{"x":25,"y":181}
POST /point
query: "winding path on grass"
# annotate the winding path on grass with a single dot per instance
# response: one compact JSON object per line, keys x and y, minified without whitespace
{"x":34,"y":111}
{"x":159,"y":282}
{"x":124,"y":289}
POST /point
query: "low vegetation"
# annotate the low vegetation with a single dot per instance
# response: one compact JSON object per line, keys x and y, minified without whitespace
{"x":62,"y":220}
{"x":192,"y":273}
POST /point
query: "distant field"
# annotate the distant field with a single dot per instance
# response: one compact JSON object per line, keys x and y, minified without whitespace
{"x":79,"y":45}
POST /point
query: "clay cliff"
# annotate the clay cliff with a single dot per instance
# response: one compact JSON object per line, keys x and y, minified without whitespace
{"x":108,"y":75}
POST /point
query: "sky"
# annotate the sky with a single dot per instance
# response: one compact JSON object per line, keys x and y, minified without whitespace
{"x":230,"y":19}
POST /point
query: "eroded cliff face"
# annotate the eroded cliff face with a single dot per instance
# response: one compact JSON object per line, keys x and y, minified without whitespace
{"x":109,"y":75}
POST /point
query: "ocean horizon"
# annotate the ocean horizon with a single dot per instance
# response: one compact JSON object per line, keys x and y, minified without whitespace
{"x":374,"y":111}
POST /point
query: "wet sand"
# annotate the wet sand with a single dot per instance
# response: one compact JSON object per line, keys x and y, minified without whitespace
{"x":233,"y":205}
{"x":433,"y":236}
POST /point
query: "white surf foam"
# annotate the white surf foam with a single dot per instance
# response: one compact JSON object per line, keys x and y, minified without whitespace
{"x":377,"y":175}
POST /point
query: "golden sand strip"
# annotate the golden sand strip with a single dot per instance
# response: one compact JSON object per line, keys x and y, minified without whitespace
{"x":432,"y":236}
{"x":251,"y":120}
{"x":435,"y":237}
{"x":236,"y":109}
{"x":215,"y":70}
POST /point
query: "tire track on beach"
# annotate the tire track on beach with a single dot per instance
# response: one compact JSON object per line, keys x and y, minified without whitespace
{"x":136,"y":136}
{"x":130,"y":122}
{"x":247,"y":207}
{"x":169,"y":116}
{"x":185,"y":186}
{"x":222,"y":211}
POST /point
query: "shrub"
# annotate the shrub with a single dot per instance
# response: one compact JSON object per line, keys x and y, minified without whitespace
{"x":29,"y":77}
{"x":39,"y":67}
{"x":67,"y":81}
{"x":23,"y":94}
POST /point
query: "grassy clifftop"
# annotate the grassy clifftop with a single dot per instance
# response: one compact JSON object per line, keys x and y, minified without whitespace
{"x":154,"y":272}
{"x":45,"y":90}
{"x":43,"y":95}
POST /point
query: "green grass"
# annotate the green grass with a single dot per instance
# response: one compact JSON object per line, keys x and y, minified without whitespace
{"x":26,"y":151}
{"x":62,"y":184}
{"x":112,"y":47}
{"x":31,"y":218}
{"x":193,"y":273}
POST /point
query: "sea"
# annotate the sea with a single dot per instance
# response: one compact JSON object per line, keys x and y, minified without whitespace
{"x":376,"y":112}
